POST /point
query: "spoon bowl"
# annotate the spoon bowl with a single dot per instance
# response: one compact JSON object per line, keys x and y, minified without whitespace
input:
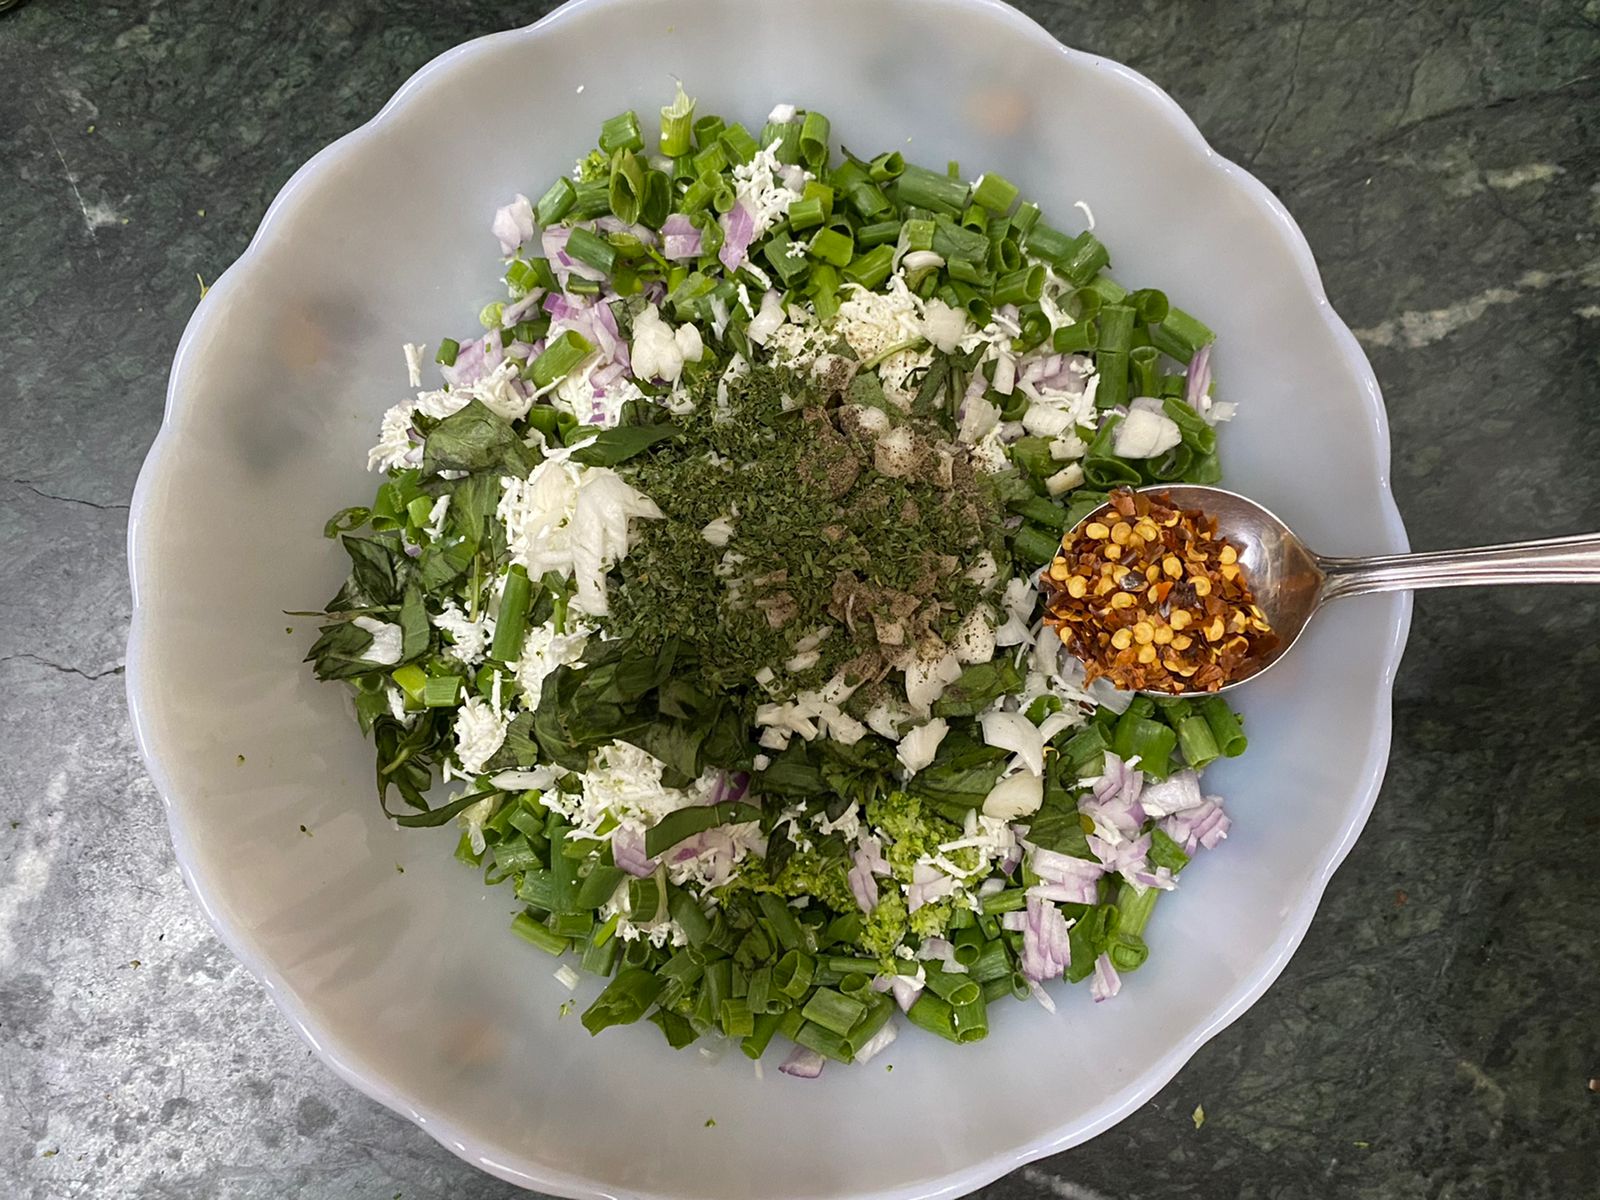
{"x":1291,"y":582}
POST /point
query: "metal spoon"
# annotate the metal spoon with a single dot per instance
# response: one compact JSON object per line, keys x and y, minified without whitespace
{"x":1291,"y":581}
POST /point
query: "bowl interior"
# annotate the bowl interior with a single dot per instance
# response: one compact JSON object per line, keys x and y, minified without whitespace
{"x":409,"y":982}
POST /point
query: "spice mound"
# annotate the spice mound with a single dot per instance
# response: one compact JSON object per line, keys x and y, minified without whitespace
{"x":1149,"y":596}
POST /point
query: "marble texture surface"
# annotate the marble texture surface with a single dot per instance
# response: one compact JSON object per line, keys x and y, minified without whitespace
{"x":1435,"y":1036}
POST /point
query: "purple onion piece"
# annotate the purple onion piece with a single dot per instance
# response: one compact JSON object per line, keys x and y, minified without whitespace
{"x":738,"y":231}
{"x":803,"y":1063}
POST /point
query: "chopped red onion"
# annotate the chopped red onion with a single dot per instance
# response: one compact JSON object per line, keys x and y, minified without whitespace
{"x":1106,"y":983}
{"x":738,"y":231}
{"x":1161,"y":878}
{"x":803,"y":1063}
{"x":1215,"y":828}
{"x":1054,"y":867}
{"x":906,"y":989}
{"x":731,"y":786}
{"x":512,"y":313}
{"x":928,"y":884}
{"x":716,"y":846}
{"x":1177,"y":792}
{"x":1114,"y":779}
{"x":871,"y":853}
{"x":1065,"y":373}
{"x":554,"y":241}
{"x":606,"y":376}
{"x":1114,"y":801}
{"x":602,"y":337}
{"x":1197,"y":381}
{"x":513,"y":225}
{"x":875,"y":1044}
{"x":677,"y":247}
{"x":1046,"y":946}
{"x":1013,"y":856}
{"x":679,"y":238}
{"x":1015,"y":921}
{"x":934,"y":948}
{"x":1128,"y":859}
{"x":1064,"y":878}
{"x":1204,"y":825}
{"x":470,"y":365}
{"x":1114,"y":854}
{"x":627,"y":851}
{"x":1065,"y":893}
{"x":941,"y":950}
{"x":863,"y":887}
{"x":493,"y":352}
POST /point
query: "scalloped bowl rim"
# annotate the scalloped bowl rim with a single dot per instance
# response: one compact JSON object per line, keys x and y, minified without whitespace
{"x":954,"y":1184}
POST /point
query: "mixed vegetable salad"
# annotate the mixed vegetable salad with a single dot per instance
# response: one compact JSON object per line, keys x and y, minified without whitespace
{"x":708,"y":582}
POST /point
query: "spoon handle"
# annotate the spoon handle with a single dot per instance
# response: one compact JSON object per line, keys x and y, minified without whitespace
{"x":1573,"y":559}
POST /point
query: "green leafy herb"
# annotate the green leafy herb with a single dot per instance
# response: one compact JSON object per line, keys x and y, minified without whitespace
{"x":979,"y":686}
{"x":476,"y":439}
{"x":612,"y":446}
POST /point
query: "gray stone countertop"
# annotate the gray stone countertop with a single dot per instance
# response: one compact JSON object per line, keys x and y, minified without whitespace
{"x":1435,"y":1036}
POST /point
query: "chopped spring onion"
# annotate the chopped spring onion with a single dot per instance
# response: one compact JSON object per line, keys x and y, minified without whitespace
{"x":814,"y":132}
{"x":540,"y":935}
{"x":556,"y":203}
{"x":559,"y":357}
{"x":621,"y":132}
{"x":677,"y":125}
{"x":1225,"y":728}
{"x":918,"y":187}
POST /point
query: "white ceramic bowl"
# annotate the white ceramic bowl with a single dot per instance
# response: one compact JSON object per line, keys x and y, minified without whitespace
{"x":410,"y":985}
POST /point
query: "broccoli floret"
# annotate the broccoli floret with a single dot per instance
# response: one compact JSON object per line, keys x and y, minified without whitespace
{"x":886,"y":927}
{"x":910,"y":831}
{"x":595,"y":166}
{"x":823,"y":877}
{"x":931,"y":920}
